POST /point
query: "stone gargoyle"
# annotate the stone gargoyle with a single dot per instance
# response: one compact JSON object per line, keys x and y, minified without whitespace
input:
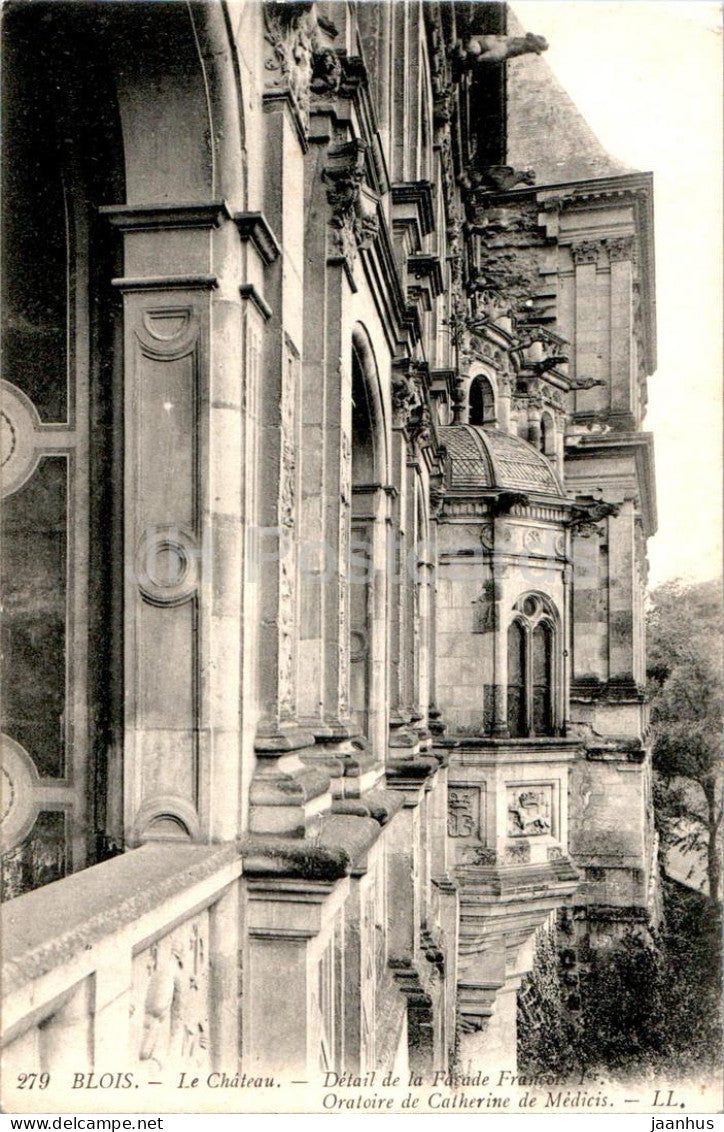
{"x":500,"y":178}
{"x":585,"y":382}
{"x":498,"y":48}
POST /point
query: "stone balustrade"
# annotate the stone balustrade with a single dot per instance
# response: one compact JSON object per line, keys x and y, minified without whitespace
{"x":127,"y":967}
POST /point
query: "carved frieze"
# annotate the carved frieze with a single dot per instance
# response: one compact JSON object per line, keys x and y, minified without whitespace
{"x":327,"y":72}
{"x":511,"y":270}
{"x":518,"y":853}
{"x":480,"y":855}
{"x":287,"y":519}
{"x":410,"y":408}
{"x":301,"y":63}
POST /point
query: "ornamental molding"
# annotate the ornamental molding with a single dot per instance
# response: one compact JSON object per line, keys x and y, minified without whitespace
{"x":254,"y":228}
{"x":301,"y":62}
{"x":621,"y":249}
{"x":586,"y":251}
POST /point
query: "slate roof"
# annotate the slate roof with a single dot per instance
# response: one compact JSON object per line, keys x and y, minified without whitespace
{"x":487,"y":458}
{"x":545,"y":129}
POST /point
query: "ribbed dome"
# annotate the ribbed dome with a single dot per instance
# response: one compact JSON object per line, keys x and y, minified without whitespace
{"x":486,"y":457}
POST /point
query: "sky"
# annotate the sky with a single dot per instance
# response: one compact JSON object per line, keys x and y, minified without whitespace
{"x":647,"y":76}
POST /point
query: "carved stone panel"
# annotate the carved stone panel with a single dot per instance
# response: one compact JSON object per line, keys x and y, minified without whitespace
{"x":166,"y":363}
{"x":530,"y":810}
{"x":290,"y":33}
{"x":170,"y":1000}
{"x":465,"y":814}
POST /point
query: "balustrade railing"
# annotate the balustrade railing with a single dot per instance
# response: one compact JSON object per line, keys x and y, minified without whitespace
{"x":127,"y":969}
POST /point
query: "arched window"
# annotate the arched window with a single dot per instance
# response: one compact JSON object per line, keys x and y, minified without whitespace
{"x":542,"y":677}
{"x":482,"y":402}
{"x":516,"y":679}
{"x":363,"y":473}
{"x":531,"y":667}
{"x":368,"y":473}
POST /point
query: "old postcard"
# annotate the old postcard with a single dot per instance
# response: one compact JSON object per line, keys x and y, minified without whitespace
{"x":361,"y":699}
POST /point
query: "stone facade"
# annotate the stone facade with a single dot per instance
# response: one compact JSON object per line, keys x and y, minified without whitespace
{"x":326,"y":506}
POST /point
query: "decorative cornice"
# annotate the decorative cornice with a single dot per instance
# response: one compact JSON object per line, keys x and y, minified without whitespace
{"x":423,"y":266}
{"x":249,"y":291}
{"x":419,"y":193}
{"x":254,"y":228}
{"x":151,"y":217}
{"x":166,"y":283}
{"x":641,"y":446}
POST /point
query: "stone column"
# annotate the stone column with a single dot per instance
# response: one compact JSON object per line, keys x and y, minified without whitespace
{"x":534,"y":427}
{"x":434,"y":715}
{"x":500,"y":641}
{"x":286,"y":796}
{"x":567,"y":642}
{"x":413,"y":642}
{"x":318,"y":565}
{"x":371,"y":504}
{"x":426,"y":569}
{"x":399,"y":713}
{"x":504,"y":394}
{"x":403,"y":876}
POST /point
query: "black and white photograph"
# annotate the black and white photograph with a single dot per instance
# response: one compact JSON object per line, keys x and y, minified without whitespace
{"x":360,"y":542}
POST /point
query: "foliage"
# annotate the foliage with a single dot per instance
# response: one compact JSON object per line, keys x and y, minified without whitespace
{"x":547,"y":1033}
{"x":684,"y":626}
{"x":632,"y":999}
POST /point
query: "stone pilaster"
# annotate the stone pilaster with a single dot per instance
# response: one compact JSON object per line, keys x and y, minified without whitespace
{"x":182,"y":528}
{"x":586,"y":255}
{"x":620,"y":253}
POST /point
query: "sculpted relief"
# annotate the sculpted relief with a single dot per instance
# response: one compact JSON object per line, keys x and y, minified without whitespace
{"x":170,"y":999}
{"x":529,"y":811}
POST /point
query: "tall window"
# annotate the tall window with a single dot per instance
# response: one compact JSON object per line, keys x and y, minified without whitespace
{"x":482,"y":402}
{"x":516,"y":679}
{"x":363,"y":473}
{"x":531,"y":663}
{"x":58,"y":429}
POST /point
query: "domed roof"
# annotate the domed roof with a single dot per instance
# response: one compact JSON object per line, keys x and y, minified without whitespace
{"x":486,"y":457}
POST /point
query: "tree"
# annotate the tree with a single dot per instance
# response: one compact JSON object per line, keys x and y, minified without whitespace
{"x":650,"y":1003}
{"x":684,"y":625}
